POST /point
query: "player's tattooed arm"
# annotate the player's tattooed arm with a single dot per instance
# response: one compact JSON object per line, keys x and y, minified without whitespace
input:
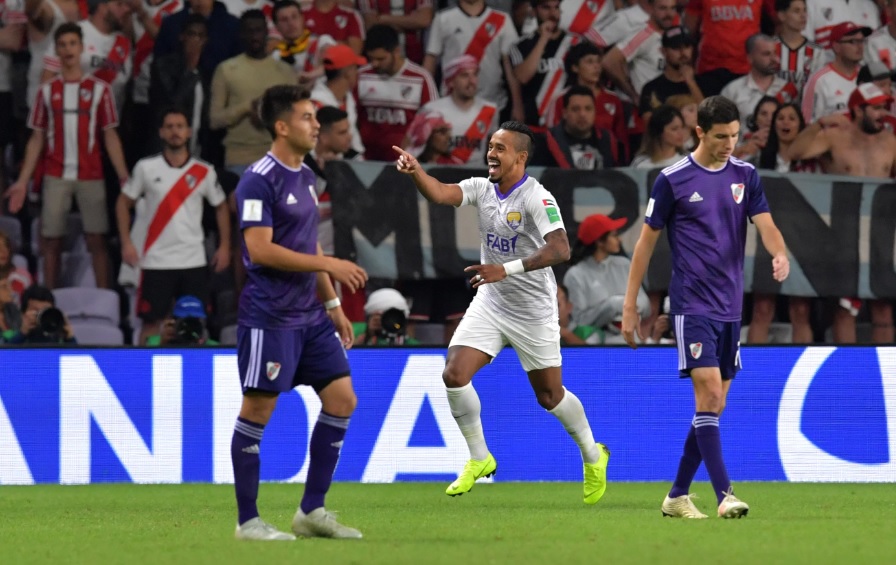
{"x":554,"y":252}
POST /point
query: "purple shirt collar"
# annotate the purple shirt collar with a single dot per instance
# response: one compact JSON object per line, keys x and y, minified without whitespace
{"x":512,"y":188}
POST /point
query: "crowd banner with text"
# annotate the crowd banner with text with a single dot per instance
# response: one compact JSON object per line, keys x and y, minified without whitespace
{"x":840,"y":230}
{"x":77,"y":416}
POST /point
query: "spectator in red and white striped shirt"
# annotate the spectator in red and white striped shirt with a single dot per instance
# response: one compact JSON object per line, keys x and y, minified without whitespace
{"x":799,"y":56}
{"x":70,"y":114}
{"x":390,"y":91}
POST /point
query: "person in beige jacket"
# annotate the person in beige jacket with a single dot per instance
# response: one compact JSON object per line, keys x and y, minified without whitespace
{"x":237,"y":86}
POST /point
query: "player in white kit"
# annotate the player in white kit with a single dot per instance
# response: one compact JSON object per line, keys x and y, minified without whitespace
{"x":522,"y":236}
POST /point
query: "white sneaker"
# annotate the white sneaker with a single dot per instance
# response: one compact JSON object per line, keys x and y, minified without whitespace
{"x":259,"y":530}
{"x":732,"y":507}
{"x":322,"y":524}
{"x":681,"y":507}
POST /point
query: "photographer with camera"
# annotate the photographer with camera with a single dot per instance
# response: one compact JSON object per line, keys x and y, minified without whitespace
{"x":387,"y":320}
{"x":42,"y":322}
{"x":185,"y":326}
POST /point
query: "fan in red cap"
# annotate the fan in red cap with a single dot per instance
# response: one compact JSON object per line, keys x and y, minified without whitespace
{"x":597,"y":279}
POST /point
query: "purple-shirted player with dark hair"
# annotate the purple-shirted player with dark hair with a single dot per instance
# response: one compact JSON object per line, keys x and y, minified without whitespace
{"x":705,"y":201}
{"x":291,"y":330}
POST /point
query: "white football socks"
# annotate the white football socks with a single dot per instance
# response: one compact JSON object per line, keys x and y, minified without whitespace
{"x":465,"y":408}
{"x":571,"y":414}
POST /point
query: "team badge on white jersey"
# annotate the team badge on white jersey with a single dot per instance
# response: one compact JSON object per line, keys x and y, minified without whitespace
{"x":737,"y":190}
{"x":514,"y":219}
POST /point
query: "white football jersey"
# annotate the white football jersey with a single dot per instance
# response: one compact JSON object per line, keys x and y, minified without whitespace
{"x":487,"y":37}
{"x":173,"y":232}
{"x":881,"y":46}
{"x":827,"y":92}
{"x":585,"y":17}
{"x":470,"y":128}
{"x":513,"y":227}
{"x":620,"y":25}
{"x":643,"y":53}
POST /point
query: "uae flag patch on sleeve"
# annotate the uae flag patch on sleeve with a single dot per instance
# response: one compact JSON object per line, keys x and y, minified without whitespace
{"x":551,"y":208}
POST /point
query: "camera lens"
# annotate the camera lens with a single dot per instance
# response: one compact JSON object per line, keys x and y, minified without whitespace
{"x":51,"y":321}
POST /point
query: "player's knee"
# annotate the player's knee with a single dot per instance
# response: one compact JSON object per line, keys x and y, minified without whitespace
{"x":549,"y":399}
{"x":454,"y":377}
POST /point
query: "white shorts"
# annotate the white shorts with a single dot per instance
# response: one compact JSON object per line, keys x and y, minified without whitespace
{"x":537,"y":346}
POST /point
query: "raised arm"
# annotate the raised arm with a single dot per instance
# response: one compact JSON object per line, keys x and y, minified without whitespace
{"x":812,"y":142}
{"x":429,"y":187}
{"x":640,"y":259}
{"x":773,"y":242}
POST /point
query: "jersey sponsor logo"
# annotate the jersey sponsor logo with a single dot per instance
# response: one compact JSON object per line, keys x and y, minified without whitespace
{"x":386,"y":116}
{"x":272,"y":370}
{"x":501,"y":244}
{"x":514,"y":219}
{"x":730,"y":13}
{"x":696,"y":350}
{"x":547,"y":65}
{"x":737,"y":190}
{"x":252,"y":210}
{"x":551,"y":208}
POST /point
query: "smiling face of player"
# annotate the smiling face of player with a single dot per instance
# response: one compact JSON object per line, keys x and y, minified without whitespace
{"x":506,"y":157}
{"x":718,"y":142}
{"x":300,"y":127}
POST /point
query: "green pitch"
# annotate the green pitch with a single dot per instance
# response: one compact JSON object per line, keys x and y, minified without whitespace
{"x":416,"y":523}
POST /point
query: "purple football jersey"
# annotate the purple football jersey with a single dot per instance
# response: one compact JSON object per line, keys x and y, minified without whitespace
{"x":706,"y":213}
{"x":272,"y":195}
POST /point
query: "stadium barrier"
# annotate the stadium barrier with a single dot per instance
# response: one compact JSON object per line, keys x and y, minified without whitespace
{"x":166,"y":416}
{"x":840,"y":230}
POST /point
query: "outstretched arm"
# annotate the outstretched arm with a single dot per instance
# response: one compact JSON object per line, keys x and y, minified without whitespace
{"x":554,"y":252}
{"x":773,"y":242}
{"x":429,"y":187}
{"x":640,"y":259}
{"x":812,"y":142}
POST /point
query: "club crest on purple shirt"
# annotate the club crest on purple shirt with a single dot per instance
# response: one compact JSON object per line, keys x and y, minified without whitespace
{"x":737,"y":190}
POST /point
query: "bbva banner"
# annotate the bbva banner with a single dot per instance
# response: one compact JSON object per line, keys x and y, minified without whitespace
{"x":840,"y":230}
{"x":166,"y":416}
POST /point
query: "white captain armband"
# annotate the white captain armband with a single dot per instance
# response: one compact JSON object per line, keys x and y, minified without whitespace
{"x":514,"y":268}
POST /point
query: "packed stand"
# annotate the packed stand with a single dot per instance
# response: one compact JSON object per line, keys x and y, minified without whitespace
{"x":126,"y":125}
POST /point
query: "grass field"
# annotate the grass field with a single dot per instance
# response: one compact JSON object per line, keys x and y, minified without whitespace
{"x":417,"y":523}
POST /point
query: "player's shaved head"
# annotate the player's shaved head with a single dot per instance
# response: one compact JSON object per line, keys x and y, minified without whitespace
{"x":523,"y":138}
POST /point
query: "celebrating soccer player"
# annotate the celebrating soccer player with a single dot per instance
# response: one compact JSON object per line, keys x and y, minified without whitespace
{"x":522,"y":235}
{"x":705,"y":200}
{"x":289,"y":317}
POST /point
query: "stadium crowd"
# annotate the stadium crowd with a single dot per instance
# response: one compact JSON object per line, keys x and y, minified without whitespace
{"x":144,"y":113}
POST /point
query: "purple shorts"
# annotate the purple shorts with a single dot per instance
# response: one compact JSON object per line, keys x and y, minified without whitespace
{"x":703,"y":342}
{"x":280,"y":360}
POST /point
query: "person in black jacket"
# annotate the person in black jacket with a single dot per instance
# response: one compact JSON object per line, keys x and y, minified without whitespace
{"x":576,"y":143}
{"x":178,"y":81}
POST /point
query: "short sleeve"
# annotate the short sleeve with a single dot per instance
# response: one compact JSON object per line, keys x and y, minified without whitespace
{"x":108,"y":114}
{"x":543,"y":209}
{"x":212,"y":190}
{"x":509,"y":37}
{"x":435,"y":45}
{"x":756,"y":196}
{"x":253,"y":201}
{"x":471,"y":188}
{"x":661,"y":203}
{"x":133,"y":189}
{"x":38,"y":118}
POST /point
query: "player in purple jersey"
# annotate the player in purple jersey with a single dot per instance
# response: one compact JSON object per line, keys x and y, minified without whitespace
{"x":291,"y":329}
{"x":705,"y":201}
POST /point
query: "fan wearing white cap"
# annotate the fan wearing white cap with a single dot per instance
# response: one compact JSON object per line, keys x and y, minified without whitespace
{"x":863,"y":147}
{"x":387,"y":315}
